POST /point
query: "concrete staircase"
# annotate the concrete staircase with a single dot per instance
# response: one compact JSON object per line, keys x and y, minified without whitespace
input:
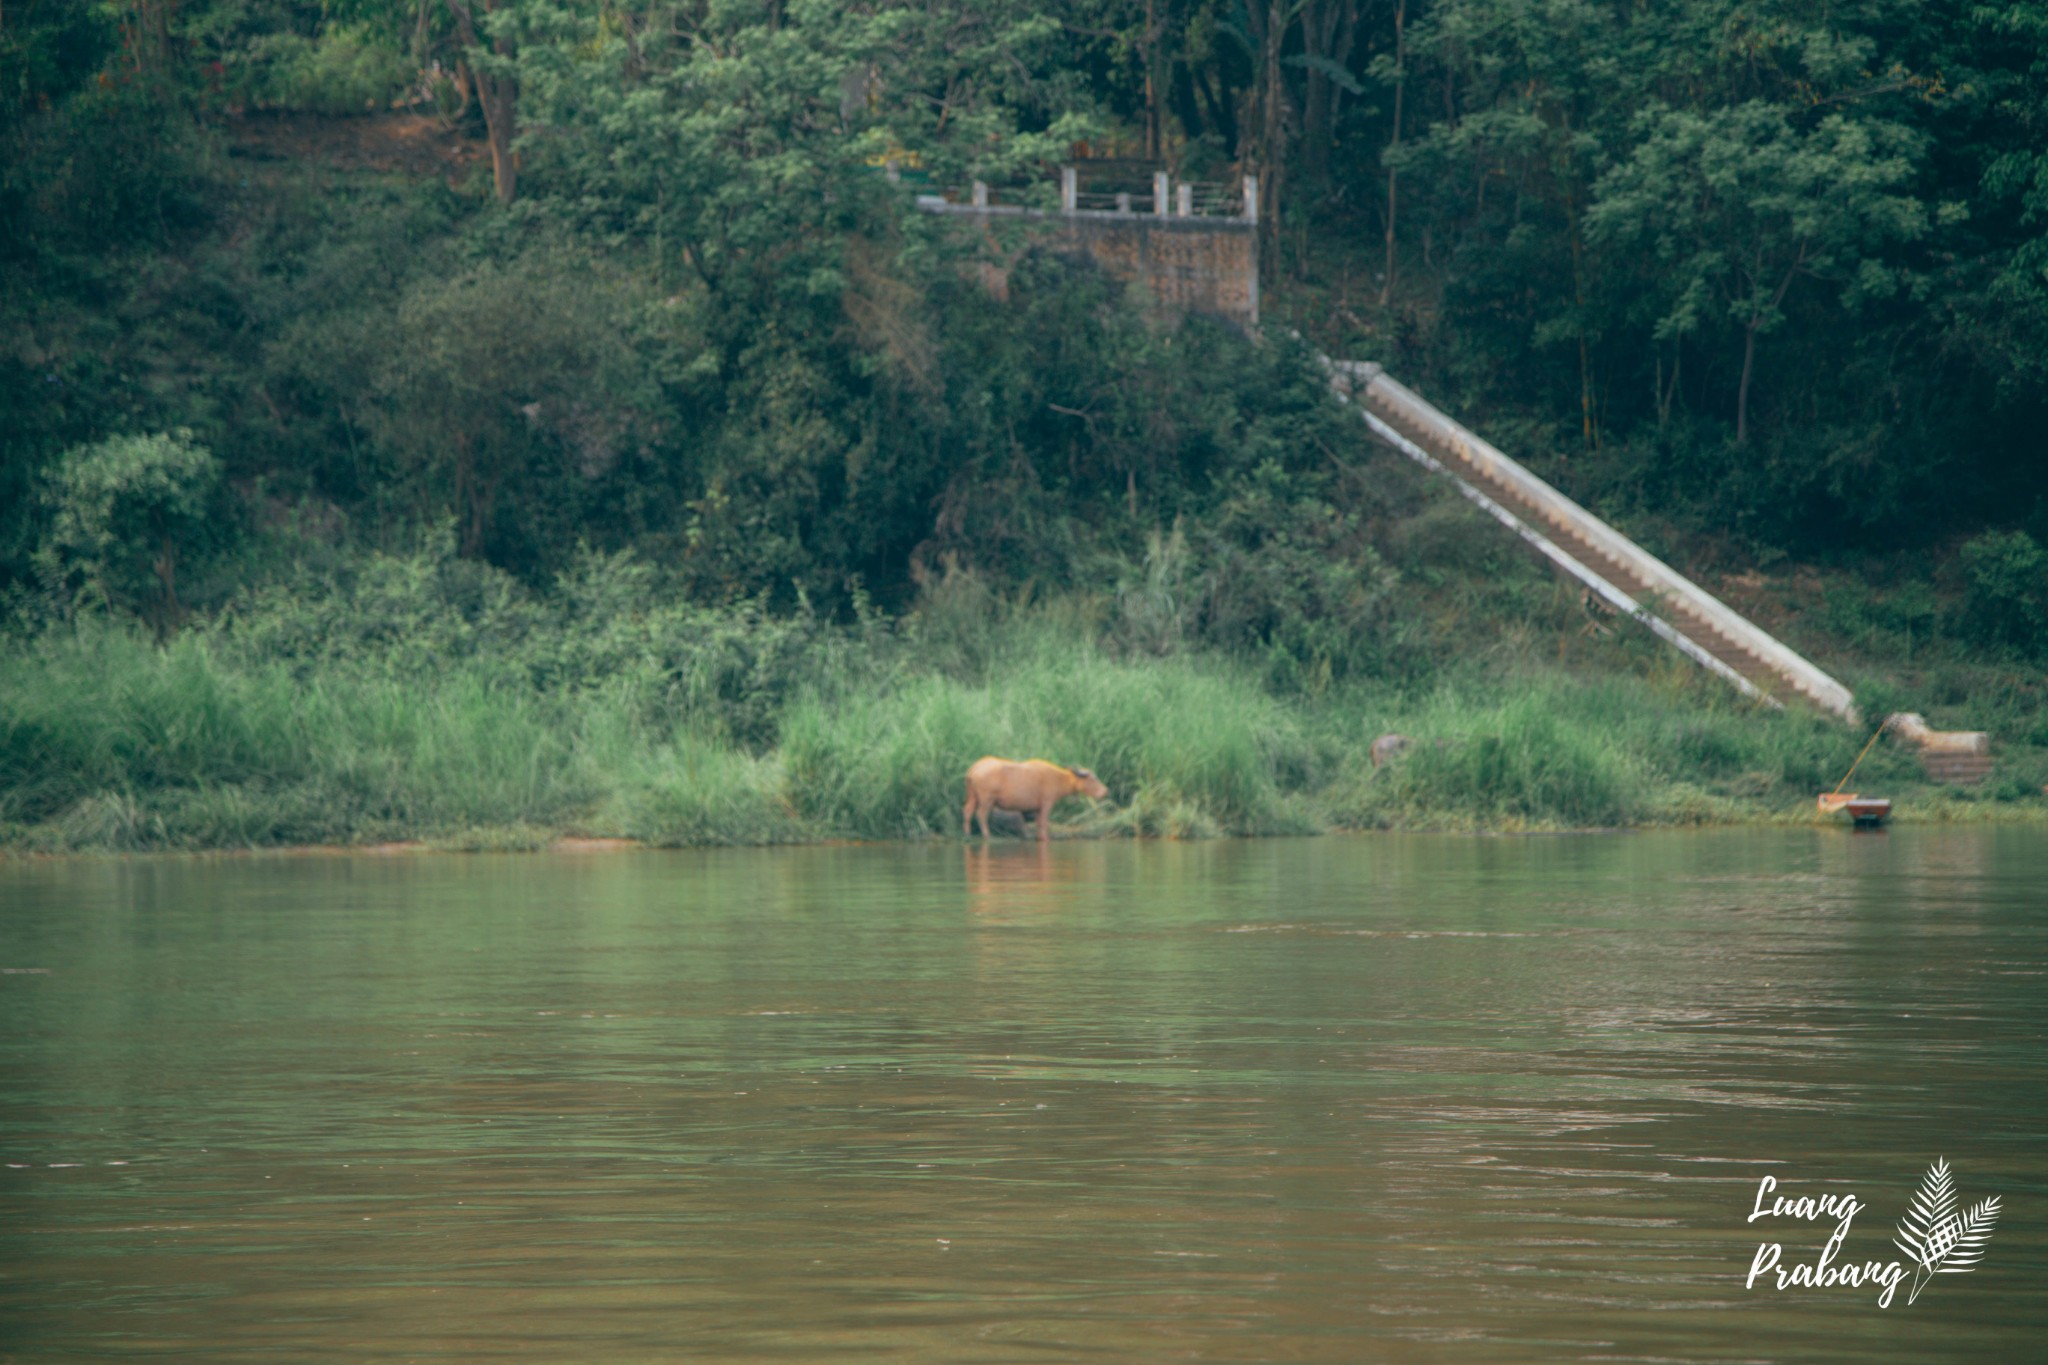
{"x":1613,"y":567}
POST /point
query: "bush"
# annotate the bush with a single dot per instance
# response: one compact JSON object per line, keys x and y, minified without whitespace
{"x":609,"y":625}
{"x":1275,"y":575}
{"x":2005,"y":601}
{"x":517,"y":399}
{"x":1296,"y":585}
{"x":83,"y":179}
{"x":691,"y":791}
{"x":341,"y":70}
{"x":1522,"y":764}
{"x":123,"y":512}
{"x":100,"y":723}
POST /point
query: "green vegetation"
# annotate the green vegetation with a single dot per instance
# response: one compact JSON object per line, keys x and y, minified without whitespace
{"x":664,"y":474}
{"x":427,"y":696}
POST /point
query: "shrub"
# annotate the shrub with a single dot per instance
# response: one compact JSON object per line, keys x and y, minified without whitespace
{"x":1277,"y":575}
{"x":2005,"y":603}
{"x":517,"y":397}
{"x":1521,"y":763}
{"x":691,"y":791}
{"x":610,"y":625}
{"x":99,"y":723}
{"x":1296,"y":584}
{"x":342,"y":70}
{"x":123,"y":512}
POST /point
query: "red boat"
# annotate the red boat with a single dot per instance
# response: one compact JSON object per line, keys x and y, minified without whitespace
{"x":1864,"y":810}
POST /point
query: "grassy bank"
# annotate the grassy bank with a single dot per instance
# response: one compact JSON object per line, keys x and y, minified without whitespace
{"x":500,"y":720}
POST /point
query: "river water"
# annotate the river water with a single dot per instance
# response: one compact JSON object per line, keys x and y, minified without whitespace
{"x":1342,"y":1099}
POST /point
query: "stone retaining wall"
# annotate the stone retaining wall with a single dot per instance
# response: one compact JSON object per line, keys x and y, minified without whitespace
{"x":1183,"y":264}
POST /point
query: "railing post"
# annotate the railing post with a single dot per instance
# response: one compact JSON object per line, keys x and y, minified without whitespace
{"x":1251,"y":199}
{"x":1070,"y":189}
{"x":1186,"y":194}
{"x":1159,"y":193}
{"x":980,"y":195}
{"x":1123,"y":201}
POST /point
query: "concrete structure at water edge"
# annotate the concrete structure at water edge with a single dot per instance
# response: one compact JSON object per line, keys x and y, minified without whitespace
{"x":1960,"y":758}
{"x":1189,"y":248}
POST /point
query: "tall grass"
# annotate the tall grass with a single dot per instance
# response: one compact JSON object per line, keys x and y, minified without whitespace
{"x":109,"y":741}
{"x":678,"y":787}
{"x":1517,"y":762}
{"x":1542,"y":750}
{"x":1184,"y":747}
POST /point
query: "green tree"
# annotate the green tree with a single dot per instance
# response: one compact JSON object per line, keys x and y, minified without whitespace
{"x":2005,"y":598}
{"x":1534,"y":99}
{"x":742,"y":143}
{"x":1735,"y":205}
{"x":2015,"y":181}
{"x":516,"y":391}
{"x":123,"y":512}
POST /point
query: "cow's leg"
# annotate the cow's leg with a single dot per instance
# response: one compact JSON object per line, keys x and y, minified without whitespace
{"x":967,"y":817}
{"x":1044,"y":821}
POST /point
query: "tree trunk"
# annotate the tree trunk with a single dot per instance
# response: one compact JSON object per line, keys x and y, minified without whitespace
{"x":146,"y":37}
{"x":475,"y":494}
{"x":499,"y":96}
{"x":1666,"y":393}
{"x":1742,"y":391}
{"x":1588,"y":430}
{"x":1216,"y":109}
{"x":1394,"y":144}
{"x":1316,"y":97}
{"x":632,"y":36}
{"x":1154,"y":140}
{"x":499,"y":115}
{"x":1328,"y":31}
{"x":1272,"y":128}
{"x":170,"y":614}
{"x":1749,"y":343}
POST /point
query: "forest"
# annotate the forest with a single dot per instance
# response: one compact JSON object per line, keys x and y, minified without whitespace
{"x":647,"y":465}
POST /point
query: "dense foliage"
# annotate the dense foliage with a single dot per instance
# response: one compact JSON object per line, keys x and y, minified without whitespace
{"x":1773,"y":270}
{"x":430,"y":696}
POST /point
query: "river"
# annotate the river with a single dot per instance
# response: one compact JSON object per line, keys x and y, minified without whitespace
{"x":1341,"y":1099}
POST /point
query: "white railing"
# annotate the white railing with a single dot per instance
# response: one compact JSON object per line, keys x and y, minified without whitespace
{"x":1166,"y":198}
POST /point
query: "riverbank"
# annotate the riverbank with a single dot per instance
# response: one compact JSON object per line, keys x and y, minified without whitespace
{"x":1934,"y":808}
{"x":682,"y":728}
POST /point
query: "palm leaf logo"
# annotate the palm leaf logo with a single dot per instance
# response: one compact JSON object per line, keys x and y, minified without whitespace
{"x":1934,"y":1203}
{"x":1937,"y":1238}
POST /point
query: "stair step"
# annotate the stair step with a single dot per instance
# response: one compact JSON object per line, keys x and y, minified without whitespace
{"x":1581,"y":545}
{"x":1961,"y":770}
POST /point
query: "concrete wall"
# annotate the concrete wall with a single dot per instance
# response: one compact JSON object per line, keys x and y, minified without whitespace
{"x":1186,"y":265}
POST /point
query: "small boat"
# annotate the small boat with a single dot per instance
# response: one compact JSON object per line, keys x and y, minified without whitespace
{"x":1867,"y":811}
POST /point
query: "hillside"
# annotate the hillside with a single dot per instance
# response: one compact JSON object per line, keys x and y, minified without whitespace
{"x":648,"y":468}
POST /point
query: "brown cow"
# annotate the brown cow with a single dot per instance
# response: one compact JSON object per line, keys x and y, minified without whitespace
{"x":1034,"y":785}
